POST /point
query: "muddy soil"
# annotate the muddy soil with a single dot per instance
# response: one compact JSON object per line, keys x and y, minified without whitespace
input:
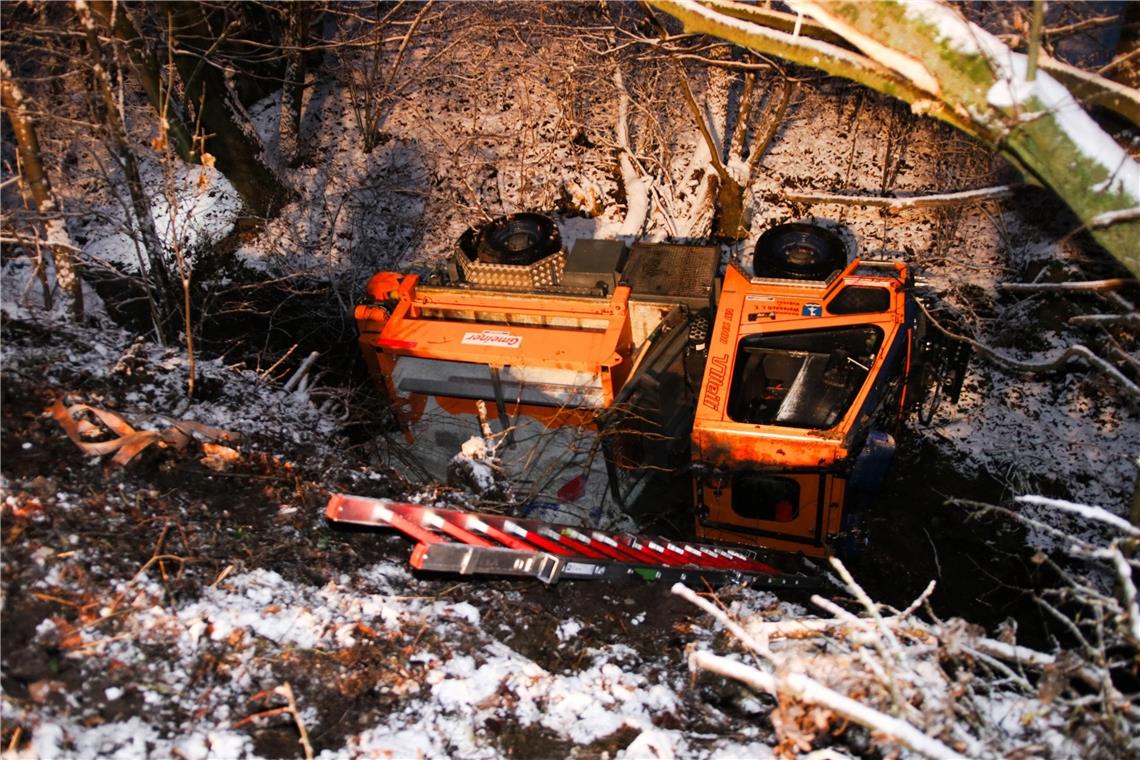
{"x":189,"y":525}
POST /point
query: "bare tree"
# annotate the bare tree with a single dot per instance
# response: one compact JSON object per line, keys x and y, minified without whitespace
{"x":230,"y":140}
{"x":376,"y":86}
{"x":162,"y":292}
{"x":35,"y":178}
{"x":294,"y":40}
{"x":147,"y":69}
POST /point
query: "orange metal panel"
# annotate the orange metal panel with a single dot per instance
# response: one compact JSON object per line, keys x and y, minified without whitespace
{"x":499,"y":329}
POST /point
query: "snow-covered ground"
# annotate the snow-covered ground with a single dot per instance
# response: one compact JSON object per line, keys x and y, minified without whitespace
{"x":111,"y":652}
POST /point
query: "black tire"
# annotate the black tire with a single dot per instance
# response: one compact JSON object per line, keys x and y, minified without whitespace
{"x":518,"y":239}
{"x":798,"y":251}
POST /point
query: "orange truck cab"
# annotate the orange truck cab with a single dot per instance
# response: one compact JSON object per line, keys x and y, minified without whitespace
{"x":777,"y":386}
{"x":804,"y":383}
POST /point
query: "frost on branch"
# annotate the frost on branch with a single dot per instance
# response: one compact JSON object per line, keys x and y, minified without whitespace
{"x":938,"y":688}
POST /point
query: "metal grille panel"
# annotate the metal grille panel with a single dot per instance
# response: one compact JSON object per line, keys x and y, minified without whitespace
{"x":672,"y":273}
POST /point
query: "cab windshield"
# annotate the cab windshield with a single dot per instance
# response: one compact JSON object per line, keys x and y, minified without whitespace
{"x":802,"y":379}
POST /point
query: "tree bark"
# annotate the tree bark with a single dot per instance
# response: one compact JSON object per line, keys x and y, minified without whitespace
{"x":231,"y":141}
{"x":147,"y":70}
{"x":729,"y":217}
{"x":36,"y":179}
{"x":293,"y":84}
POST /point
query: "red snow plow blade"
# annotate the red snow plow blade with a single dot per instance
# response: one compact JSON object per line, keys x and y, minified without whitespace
{"x":470,"y":543}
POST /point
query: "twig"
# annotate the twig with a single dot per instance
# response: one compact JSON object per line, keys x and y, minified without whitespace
{"x":287,"y":691}
{"x":1109,"y":218}
{"x":1014,"y":653}
{"x":1124,"y":573}
{"x":868,"y":604}
{"x":1000,"y":666}
{"x":1077,"y":351}
{"x":758,"y":646}
{"x":222,"y":576}
{"x":293,"y":382}
{"x":887,"y":646}
{"x":284,"y":690}
{"x":265,"y":373}
{"x":1105,"y":319}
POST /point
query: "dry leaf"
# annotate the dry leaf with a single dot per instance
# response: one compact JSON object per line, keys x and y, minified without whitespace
{"x":219,"y":458}
{"x":41,"y":690}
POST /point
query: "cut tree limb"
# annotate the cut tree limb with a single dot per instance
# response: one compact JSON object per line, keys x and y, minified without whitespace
{"x":1090,"y":88}
{"x":817,"y":54}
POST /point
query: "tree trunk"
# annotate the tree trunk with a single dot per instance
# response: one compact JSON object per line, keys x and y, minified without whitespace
{"x":38,"y":184}
{"x":149,"y":74}
{"x":231,"y":140}
{"x":293,"y":86}
{"x":730,"y":210}
{"x":161,"y":286}
{"x":728,"y":219}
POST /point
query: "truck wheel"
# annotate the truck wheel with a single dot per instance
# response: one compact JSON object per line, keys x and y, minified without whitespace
{"x":798,"y":251}
{"x":519,"y":239}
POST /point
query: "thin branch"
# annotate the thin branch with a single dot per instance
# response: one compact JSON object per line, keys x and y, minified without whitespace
{"x":1096,"y":514}
{"x":936,"y":200}
{"x":771,"y":126}
{"x":758,"y":646}
{"x":1108,"y":218}
{"x":1128,"y":589}
{"x":1048,"y":287}
{"x":1077,"y":351}
{"x":702,"y":125}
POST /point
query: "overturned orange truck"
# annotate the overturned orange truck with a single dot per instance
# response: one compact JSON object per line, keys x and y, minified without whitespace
{"x":776,"y":386}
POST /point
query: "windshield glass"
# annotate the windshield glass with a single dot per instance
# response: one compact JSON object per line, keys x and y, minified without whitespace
{"x":803,"y":379}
